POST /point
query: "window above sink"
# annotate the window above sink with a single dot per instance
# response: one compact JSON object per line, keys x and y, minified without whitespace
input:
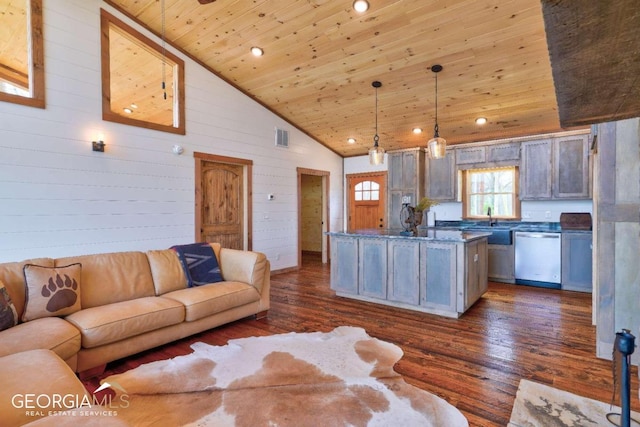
{"x":490,"y":193}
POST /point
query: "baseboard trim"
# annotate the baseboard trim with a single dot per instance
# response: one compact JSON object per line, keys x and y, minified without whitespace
{"x":284,"y":270}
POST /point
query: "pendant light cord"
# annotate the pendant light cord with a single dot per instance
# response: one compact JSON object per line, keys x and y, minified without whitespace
{"x":376,"y":137}
{"x":436,"y":135}
{"x":164,"y":85}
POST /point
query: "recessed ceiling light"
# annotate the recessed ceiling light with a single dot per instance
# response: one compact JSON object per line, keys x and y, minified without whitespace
{"x":361,"y":6}
{"x":134,"y":106}
{"x":256,"y":51}
{"x":416,"y":130}
{"x":481,"y":120}
{"x":351,"y":140}
{"x":127,"y":110}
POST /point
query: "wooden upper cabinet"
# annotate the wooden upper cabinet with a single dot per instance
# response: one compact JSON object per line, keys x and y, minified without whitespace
{"x":555,"y":168}
{"x":395,"y":170}
{"x":440,"y":178}
{"x":405,"y":179}
{"x":403,"y":170}
{"x":503,"y":152}
{"x":471,"y":155}
{"x":536,"y":170}
{"x":571,"y":167}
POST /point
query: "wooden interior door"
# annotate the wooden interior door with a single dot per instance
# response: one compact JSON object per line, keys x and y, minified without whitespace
{"x":367,"y":200}
{"x":222,"y":208}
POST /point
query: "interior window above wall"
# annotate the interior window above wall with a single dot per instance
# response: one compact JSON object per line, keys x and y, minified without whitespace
{"x":142,"y":83}
{"x":21,"y":52}
{"x":495,"y":188}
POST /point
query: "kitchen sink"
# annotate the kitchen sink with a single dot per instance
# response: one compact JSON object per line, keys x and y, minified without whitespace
{"x":500,"y":235}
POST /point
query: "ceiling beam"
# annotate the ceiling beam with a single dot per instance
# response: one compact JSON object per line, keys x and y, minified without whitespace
{"x":594,"y":48}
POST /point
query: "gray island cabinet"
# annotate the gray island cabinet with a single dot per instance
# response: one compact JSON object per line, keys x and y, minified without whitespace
{"x":441,"y":272}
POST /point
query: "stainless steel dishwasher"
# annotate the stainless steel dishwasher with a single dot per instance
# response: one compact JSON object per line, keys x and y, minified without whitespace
{"x":538,"y":259}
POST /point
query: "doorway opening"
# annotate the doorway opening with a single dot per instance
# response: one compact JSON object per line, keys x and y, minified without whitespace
{"x":313,"y":214}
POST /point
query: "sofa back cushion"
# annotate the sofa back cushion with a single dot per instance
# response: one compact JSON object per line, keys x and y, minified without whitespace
{"x":112,"y":277}
{"x":244,"y":266}
{"x":216,"y":249}
{"x":11,"y":274}
{"x":166,"y":270}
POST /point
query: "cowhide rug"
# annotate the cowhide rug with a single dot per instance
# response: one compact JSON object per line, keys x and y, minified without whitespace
{"x":538,"y":405}
{"x":340,"y":378}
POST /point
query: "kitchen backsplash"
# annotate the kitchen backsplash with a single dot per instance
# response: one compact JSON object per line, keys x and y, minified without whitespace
{"x":532,"y":211}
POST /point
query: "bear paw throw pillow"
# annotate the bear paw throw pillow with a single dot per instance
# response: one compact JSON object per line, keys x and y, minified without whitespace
{"x":51,"y":291}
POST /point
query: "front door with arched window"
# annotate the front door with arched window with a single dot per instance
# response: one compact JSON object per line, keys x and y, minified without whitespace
{"x":367,"y":201}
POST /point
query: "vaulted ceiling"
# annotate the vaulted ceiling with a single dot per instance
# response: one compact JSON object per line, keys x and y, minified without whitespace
{"x":321,"y":56}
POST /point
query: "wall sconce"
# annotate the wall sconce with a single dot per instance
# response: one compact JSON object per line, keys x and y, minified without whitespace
{"x":177,"y":149}
{"x":99,"y":144}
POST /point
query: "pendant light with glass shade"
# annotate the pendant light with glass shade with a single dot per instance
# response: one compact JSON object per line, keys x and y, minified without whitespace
{"x":437,"y":145}
{"x":376,"y":153}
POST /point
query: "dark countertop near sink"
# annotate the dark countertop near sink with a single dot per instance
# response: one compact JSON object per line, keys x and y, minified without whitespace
{"x":542,"y":227}
{"x":424,"y":233}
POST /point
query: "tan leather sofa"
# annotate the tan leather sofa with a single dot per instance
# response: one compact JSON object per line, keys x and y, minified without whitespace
{"x":39,"y":389}
{"x":134,"y":301}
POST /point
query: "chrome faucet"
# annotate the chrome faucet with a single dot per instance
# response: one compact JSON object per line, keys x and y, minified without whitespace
{"x":491,"y":221}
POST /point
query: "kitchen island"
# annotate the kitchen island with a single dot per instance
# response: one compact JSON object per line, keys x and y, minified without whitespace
{"x":437,"y":271}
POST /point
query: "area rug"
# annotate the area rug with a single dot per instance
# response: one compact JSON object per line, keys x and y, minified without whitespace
{"x":544,"y":406}
{"x":340,"y":378}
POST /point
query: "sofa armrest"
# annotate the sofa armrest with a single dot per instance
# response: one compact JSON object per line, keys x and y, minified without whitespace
{"x":244,"y":266}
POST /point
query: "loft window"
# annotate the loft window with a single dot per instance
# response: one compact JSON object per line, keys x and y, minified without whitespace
{"x":495,"y":188}
{"x":142,"y":83}
{"x":21,"y":53}
{"x":367,"y":191}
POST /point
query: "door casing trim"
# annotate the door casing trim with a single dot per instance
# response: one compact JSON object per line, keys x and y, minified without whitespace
{"x":247,"y":164}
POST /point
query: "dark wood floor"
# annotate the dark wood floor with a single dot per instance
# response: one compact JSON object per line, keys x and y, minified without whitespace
{"x":474,"y":362}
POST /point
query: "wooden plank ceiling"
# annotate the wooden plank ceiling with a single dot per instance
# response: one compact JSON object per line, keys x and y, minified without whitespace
{"x":321,"y":58}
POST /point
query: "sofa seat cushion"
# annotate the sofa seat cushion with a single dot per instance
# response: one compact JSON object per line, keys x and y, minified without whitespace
{"x":36,"y":373}
{"x":51,"y":333}
{"x":114,"y":322}
{"x":203,"y":301}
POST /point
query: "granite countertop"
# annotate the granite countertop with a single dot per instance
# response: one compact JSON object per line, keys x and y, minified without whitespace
{"x":431,"y":234}
{"x":540,"y":227}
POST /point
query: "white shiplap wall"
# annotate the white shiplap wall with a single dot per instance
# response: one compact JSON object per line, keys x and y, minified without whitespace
{"x":59,"y":198}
